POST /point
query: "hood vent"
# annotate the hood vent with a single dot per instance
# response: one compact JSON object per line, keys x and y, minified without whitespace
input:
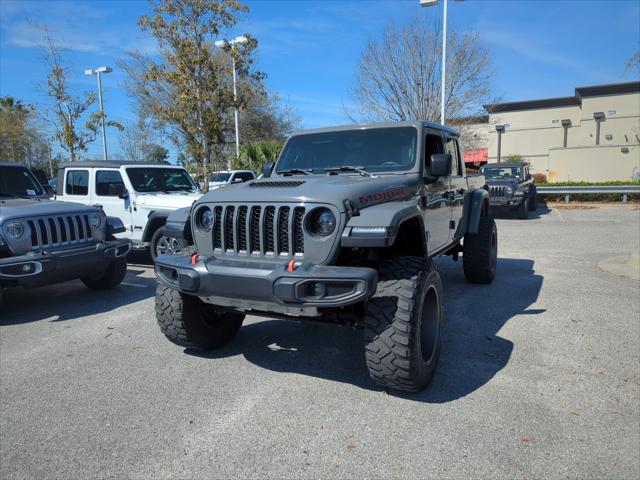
{"x":277,"y":183}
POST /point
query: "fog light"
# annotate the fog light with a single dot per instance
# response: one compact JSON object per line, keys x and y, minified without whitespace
{"x":319,"y":289}
{"x":26,"y":268}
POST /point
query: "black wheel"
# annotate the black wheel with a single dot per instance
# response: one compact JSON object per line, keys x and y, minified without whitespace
{"x":403,"y":324}
{"x":161,"y":244}
{"x":110,"y":278}
{"x":480,"y":252}
{"x":533,"y":199}
{"x":523,"y":209}
{"x":189,"y":322}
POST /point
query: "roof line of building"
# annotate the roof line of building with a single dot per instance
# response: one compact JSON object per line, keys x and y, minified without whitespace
{"x":576,"y":99}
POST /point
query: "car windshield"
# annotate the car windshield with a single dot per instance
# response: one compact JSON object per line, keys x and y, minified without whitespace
{"x":220,"y":177}
{"x":18,"y":182}
{"x":160,"y":180}
{"x":502,"y":172}
{"x":373,"y":150}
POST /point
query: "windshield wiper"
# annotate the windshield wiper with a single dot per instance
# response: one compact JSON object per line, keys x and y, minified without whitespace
{"x":349,"y":168}
{"x":294,"y":170}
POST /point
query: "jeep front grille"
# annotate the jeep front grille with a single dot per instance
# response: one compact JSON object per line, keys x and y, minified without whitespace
{"x":59,"y":230}
{"x":258,"y":229}
{"x":497,"y":192}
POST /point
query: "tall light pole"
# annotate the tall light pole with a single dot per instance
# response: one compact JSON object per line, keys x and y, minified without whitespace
{"x":433,"y":3}
{"x":220,"y":44}
{"x":97,"y":72}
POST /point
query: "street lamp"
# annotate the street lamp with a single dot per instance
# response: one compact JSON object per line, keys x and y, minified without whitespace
{"x":97,"y":72}
{"x":433,"y":3}
{"x":220,"y":44}
{"x":500,"y":130}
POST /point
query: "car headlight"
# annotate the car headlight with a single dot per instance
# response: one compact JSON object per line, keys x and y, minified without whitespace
{"x":14,"y":230}
{"x":204,"y":219}
{"x":95,"y":220}
{"x":509,"y":190}
{"x":322,"y":222}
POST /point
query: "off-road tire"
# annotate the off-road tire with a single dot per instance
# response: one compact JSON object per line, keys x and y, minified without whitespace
{"x":155,"y":238}
{"x":110,"y":278}
{"x":403,"y":324}
{"x":189,"y":322}
{"x":523,"y":209}
{"x":480,"y":252}
{"x":533,"y":199}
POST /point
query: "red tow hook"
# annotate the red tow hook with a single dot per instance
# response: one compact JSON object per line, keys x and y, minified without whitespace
{"x":195,"y":258}
{"x":291,"y":266}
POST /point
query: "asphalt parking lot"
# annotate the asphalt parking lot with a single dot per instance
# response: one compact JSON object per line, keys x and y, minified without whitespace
{"x":539,"y":378}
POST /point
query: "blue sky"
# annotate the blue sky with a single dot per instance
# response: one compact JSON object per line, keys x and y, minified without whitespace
{"x":309,"y":49}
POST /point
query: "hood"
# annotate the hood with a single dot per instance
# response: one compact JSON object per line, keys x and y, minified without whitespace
{"x":24,"y":207}
{"x":333,"y":189}
{"x":166,"y":201}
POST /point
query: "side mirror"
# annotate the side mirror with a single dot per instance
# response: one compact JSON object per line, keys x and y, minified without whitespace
{"x":528,"y":176}
{"x":124,"y":195}
{"x":440,"y":165}
{"x":268,"y":168}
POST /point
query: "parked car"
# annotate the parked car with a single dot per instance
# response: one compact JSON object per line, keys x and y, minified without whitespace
{"x":44,"y":242}
{"x":511,"y":187}
{"x":53,"y":183}
{"x":344,"y":229}
{"x":220,"y":179}
{"x":141,"y":194}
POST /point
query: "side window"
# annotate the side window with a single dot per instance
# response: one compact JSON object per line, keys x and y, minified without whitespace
{"x":109,"y":183}
{"x":452,"y":149}
{"x":77,"y":182}
{"x":245,"y":176}
{"x":432,"y":144}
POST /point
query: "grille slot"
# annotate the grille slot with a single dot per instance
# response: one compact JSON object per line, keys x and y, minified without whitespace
{"x":59,"y":231}
{"x":498,"y":192}
{"x":273,"y":230}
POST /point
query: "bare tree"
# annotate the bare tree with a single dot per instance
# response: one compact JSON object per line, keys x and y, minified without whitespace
{"x":633,"y":63}
{"x":398,"y":76}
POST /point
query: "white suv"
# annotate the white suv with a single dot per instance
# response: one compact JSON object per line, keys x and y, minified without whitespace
{"x":220,"y":179}
{"x":141,"y":194}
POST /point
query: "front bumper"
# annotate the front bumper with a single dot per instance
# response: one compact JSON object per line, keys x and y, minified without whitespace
{"x":503,"y":202}
{"x":267,"y":287}
{"x":43,"y":268}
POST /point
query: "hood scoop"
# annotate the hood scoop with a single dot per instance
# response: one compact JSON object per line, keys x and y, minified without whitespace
{"x":277,"y":183}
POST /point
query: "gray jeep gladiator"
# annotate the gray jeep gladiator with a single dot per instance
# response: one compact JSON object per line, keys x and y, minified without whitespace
{"x":511,"y":188}
{"x":44,"y":241}
{"x":344,"y":228}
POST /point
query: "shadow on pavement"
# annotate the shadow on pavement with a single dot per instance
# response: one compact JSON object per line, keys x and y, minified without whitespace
{"x":542,"y":209}
{"x":71,"y":300}
{"x":472,"y":352}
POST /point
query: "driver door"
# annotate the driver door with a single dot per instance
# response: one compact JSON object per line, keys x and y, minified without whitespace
{"x":437,"y":211}
{"x":108,"y":190}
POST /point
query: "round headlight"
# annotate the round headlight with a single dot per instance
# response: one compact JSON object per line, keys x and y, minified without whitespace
{"x":14,"y":230}
{"x":324,"y":222}
{"x":509,"y":190}
{"x":205,"y":218}
{"x":95,"y":220}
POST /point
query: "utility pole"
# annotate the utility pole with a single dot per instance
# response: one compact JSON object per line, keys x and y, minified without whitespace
{"x":97,"y":72}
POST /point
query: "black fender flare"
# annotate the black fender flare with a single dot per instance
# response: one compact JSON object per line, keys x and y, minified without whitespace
{"x":114,"y":225}
{"x":155,"y":220}
{"x":178,"y":224}
{"x":476,"y":205}
{"x":391,"y":215}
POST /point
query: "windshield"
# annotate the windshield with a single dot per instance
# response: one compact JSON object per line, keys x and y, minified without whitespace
{"x":220,"y":177}
{"x":160,"y":180}
{"x":501,"y":172}
{"x":374,"y":150}
{"x":18,"y":182}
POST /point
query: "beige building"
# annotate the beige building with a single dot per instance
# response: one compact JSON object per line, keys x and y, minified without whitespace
{"x":591,"y":136}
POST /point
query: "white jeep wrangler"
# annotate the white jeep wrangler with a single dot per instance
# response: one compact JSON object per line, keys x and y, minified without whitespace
{"x":141,"y":194}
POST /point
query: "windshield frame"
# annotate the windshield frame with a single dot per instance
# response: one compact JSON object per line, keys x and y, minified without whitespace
{"x":39,"y":189}
{"x":280,"y":169}
{"x":194,"y":186}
